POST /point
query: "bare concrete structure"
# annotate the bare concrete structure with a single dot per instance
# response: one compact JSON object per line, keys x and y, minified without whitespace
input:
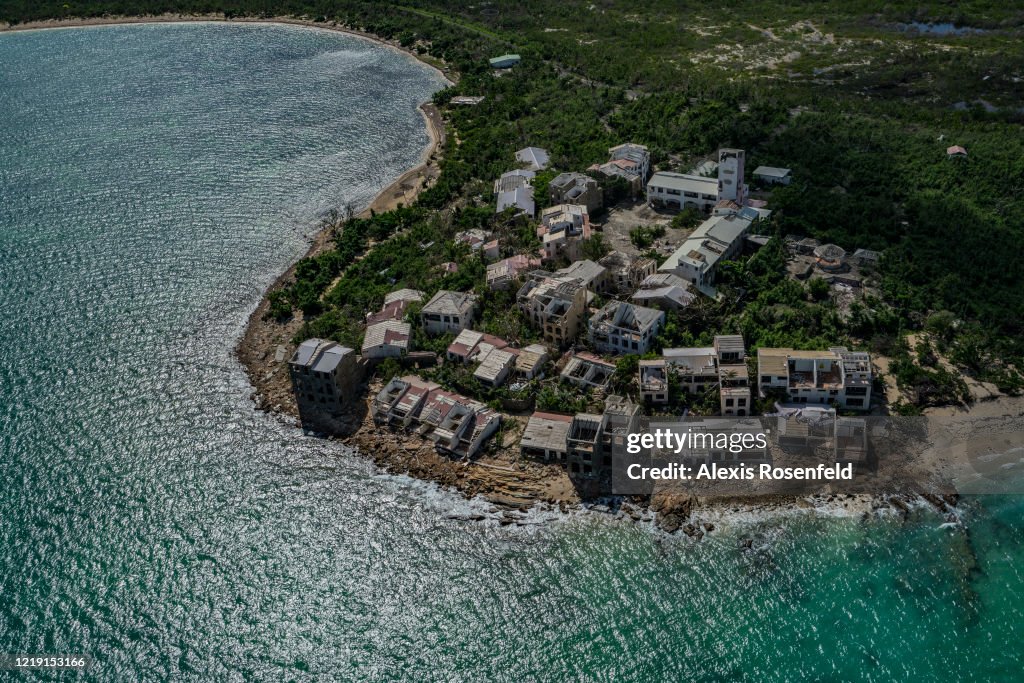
{"x":325,"y":379}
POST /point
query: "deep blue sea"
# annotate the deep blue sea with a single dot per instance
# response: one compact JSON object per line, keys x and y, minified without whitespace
{"x":153,"y":181}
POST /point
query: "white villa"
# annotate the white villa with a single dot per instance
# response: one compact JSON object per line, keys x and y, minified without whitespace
{"x":836,"y":376}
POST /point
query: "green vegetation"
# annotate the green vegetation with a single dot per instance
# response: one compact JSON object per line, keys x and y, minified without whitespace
{"x":644,"y":237}
{"x":861,"y":110}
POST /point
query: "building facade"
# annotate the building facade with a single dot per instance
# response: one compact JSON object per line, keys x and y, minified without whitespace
{"x":554,"y":305}
{"x":621,"y":327}
{"x":448,"y":311}
{"x":325,"y":378}
{"x":834,"y":377}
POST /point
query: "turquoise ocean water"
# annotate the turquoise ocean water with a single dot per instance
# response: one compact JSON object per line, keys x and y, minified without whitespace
{"x":153,"y":181}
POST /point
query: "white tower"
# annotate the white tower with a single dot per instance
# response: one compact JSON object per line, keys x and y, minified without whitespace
{"x":730,"y":175}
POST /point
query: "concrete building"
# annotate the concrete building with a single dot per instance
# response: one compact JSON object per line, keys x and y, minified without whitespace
{"x":621,"y":417}
{"x":448,"y":311}
{"x":456,"y":424}
{"x":677,"y":191}
{"x":588,"y":371}
{"x":836,"y":376}
{"x":533,"y":158}
{"x":629,"y":161}
{"x":636,"y":155}
{"x":592,"y":437}
{"x":576,"y":188}
{"x":731,"y":182}
{"x":696,"y":369}
{"x":470,"y":344}
{"x":703,"y":447}
{"x":545,"y":437}
{"x":562,"y":228}
{"x":733,"y":377}
{"x":514,"y":190}
{"x":325,"y":378}
{"x":665,"y":291}
{"x":621,"y":327}
{"x":504,"y":61}
{"x":625,"y":272}
{"x":401,"y":400}
{"x":504,"y":273}
{"x":386,"y":339}
{"x":495,"y":366}
{"x":530,"y":362}
{"x":593,"y":275}
{"x":654,"y":381}
{"x":553,"y":304}
{"x":582,"y":443}
{"x":771,"y":175}
{"x":717,"y":239}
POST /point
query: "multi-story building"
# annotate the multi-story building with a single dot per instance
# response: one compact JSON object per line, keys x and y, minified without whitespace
{"x":554,"y":305}
{"x":530,"y":361}
{"x":401,"y":400}
{"x":629,"y":161}
{"x":837,"y":376}
{"x":706,"y":437}
{"x":448,"y":311}
{"x":593,"y":275}
{"x":545,"y":437}
{"x":665,"y":291}
{"x":325,"y":377}
{"x":678,"y":191}
{"x":514,"y":189}
{"x":696,"y":369}
{"x":502,"y":274}
{"x":717,"y":239}
{"x":654,"y":380}
{"x":576,"y":188}
{"x":621,"y":327}
{"x":733,"y":379}
{"x":562,"y":228}
{"x":496,"y":366}
{"x":592,"y":437}
{"x":455,"y":424}
{"x":731,"y":183}
{"x":627,"y":273}
{"x":637,"y":155}
{"x":470,"y":344}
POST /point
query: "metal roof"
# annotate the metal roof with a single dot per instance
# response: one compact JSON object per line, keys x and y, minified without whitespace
{"x":772,"y":171}
{"x":684,"y":182}
{"x":450,"y":303}
{"x":536,"y":157}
